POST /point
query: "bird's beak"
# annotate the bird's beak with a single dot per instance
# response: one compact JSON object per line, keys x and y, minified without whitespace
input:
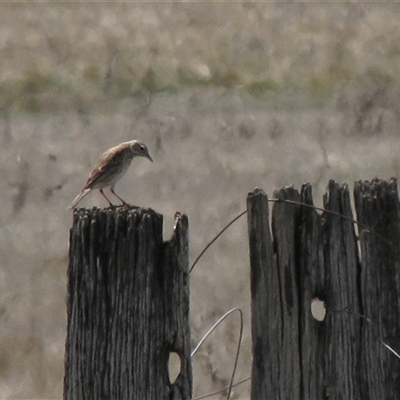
{"x":148,"y":156}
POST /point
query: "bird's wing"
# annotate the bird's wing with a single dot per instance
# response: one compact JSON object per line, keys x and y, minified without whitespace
{"x":107,"y":163}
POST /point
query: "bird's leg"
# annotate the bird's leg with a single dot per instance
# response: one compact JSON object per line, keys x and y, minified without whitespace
{"x":109,"y":202}
{"x":123,"y":201}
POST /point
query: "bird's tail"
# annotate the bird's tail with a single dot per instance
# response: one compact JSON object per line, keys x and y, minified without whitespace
{"x":78,"y":198}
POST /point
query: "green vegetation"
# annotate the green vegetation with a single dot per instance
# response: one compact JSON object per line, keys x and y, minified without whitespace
{"x":120,"y":50}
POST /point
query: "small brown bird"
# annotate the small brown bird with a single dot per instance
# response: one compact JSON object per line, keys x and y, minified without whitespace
{"x":111,"y":167}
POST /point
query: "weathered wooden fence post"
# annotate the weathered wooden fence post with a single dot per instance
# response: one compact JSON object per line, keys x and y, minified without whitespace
{"x":308,"y":256}
{"x":377,"y":206}
{"x":128,"y":307}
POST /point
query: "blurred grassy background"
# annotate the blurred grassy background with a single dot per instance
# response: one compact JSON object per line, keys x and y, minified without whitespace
{"x":227,"y":96}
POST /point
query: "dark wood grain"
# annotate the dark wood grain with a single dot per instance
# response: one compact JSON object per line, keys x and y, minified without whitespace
{"x":128,"y":306}
{"x":285,"y":233}
{"x":307,"y":255}
{"x":266,"y":310}
{"x":340,"y":343}
{"x":377,"y":206}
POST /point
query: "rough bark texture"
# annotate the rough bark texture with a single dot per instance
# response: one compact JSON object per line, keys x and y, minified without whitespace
{"x":128,"y":306}
{"x":314,"y":255}
{"x":377,"y":206}
{"x":266,"y":328}
{"x":284,"y":222}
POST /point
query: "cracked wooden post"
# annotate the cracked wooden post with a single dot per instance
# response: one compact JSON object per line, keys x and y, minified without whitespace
{"x":309,"y":256}
{"x":377,"y":206}
{"x":128,"y":306}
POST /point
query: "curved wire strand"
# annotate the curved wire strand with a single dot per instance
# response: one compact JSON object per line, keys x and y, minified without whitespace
{"x":294,"y":202}
{"x":238,"y":346}
{"x":215,"y":238}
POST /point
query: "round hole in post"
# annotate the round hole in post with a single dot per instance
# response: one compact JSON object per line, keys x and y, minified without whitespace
{"x":174,"y":366}
{"x":318,"y":309}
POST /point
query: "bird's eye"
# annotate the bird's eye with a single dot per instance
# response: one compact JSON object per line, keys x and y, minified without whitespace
{"x":142,"y":148}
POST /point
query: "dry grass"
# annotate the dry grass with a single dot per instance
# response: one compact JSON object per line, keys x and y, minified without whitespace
{"x":227,"y":96}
